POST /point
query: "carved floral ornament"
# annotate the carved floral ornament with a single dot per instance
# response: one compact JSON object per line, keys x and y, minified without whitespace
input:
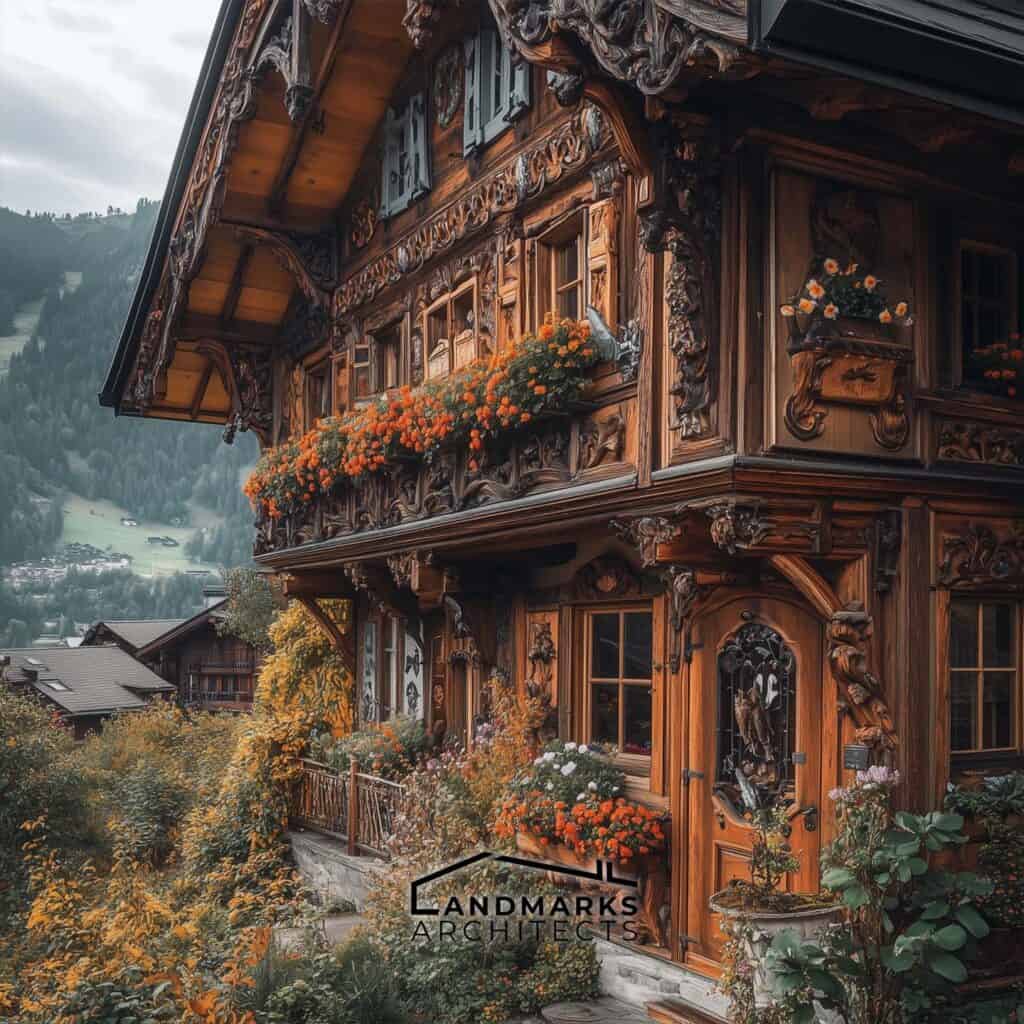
{"x":982,"y":554}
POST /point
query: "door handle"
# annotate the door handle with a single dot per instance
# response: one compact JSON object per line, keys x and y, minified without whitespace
{"x":810,"y":816}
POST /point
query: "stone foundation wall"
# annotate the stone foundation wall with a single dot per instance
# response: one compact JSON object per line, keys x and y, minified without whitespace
{"x":328,"y":869}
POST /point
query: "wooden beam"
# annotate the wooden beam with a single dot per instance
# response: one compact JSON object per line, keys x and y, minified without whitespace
{"x":318,"y":584}
{"x":200,"y":327}
{"x":200,"y":392}
{"x":275,"y":200}
{"x":227,"y":313}
{"x":329,"y":628}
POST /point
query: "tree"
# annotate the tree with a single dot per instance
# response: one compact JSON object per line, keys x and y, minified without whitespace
{"x":251,"y":606}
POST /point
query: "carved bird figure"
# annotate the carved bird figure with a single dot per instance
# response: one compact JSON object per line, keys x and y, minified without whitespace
{"x":761,"y":726}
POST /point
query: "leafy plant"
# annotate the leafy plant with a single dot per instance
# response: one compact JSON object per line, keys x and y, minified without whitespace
{"x":1001,"y":855}
{"x":391,"y":749}
{"x":911,"y":927}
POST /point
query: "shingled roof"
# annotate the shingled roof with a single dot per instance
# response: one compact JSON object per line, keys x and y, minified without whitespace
{"x":135,"y":633}
{"x":85,"y":680}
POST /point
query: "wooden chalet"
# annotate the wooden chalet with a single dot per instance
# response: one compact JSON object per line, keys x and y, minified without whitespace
{"x":84,"y":685}
{"x":210,"y":671}
{"x":782,"y":531}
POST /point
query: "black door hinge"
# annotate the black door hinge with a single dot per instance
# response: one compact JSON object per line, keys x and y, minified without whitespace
{"x":689,"y":647}
{"x":691,"y":773}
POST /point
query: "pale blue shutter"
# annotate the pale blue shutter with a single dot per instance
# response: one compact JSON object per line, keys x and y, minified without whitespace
{"x":419,"y":156}
{"x":472,"y":134}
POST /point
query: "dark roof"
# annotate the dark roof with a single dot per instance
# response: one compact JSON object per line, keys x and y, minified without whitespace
{"x":188,"y":144}
{"x":134,"y":632}
{"x":90,"y":680}
{"x":182,"y":628}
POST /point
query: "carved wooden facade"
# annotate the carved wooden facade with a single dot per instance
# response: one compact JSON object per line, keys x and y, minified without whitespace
{"x":794,"y":477}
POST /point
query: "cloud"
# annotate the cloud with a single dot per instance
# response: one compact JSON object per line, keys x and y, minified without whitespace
{"x":78,"y":21}
{"x":190,"y":40}
{"x":77,"y":140}
{"x":164,"y":87}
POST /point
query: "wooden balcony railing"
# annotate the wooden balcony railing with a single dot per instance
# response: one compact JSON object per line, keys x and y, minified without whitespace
{"x":357,"y":808}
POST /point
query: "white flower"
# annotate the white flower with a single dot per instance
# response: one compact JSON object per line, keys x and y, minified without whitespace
{"x":570,"y":746}
{"x":580,"y":796}
{"x":568,"y":769}
{"x":549,"y":756}
{"x":538,"y":760}
{"x":615,"y":789}
{"x":592,"y":786}
{"x":551,"y":785}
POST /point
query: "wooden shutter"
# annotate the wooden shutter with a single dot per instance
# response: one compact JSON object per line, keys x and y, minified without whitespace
{"x":472,"y":136}
{"x":519,"y":89}
{"x":602,"y":260}
{"x":419,"y":157}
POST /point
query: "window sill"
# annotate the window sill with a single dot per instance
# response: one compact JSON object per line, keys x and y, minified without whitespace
{"x":972,"y":404}
{"x":638,"y":789}
{"x":976,"y":765}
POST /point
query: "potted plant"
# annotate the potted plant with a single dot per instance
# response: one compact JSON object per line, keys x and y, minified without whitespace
{"x":910,"y":928}
{"x":998,"y":368}
{"x":753,"y":911}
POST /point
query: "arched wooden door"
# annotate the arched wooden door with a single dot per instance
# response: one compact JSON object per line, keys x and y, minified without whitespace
{"x":754,"y":705}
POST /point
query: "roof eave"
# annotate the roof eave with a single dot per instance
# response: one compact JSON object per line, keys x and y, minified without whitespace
{"x":188,"y":145}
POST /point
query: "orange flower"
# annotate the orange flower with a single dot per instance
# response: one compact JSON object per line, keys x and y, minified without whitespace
{"x":807,"y":306}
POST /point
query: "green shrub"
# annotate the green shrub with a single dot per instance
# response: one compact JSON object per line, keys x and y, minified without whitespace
{"x":127,"y":999}
{"x":151,"y":802}
{"x":571,"y":772}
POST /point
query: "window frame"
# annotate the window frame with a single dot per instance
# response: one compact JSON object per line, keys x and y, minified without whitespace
{"x":974,"y":241}
{"x":637,"y":765}
{"x":961,"y":755}
{"x":547,"y":287}
{"x":318,"y":372}
{"x":514,"y":79}
{"x":388,"y":694}
{"x":404,"y":126}
{"x":447,"y":302}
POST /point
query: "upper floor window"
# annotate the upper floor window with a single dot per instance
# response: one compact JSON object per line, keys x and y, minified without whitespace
{"x":497,"y":90}
{"x":990,"y":346}
{"x":450,"y":331}
{"x":376,"y":361}
{"x":405,"y":168}
{"x":318,"y":393}
{"x":984,"y":675}
{"x":560,"y":270}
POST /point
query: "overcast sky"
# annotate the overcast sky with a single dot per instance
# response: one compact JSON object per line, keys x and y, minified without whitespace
{"x":93,"y":94}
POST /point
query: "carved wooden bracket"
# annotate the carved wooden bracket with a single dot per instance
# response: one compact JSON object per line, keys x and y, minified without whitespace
{"x":288,"y":53}
{"x":682,"y":589}
{"x":340,"y":641}
{"x":645,"y":44}
{"x":848,"y":629}
{"x":737,"y":527}
{"x":645,"y":533}
{"x":847,"y":634}
{"x":887,"y":540}
{"x":422,"y":17}
{"x":248,"y":379}
{"x":311,"y":259}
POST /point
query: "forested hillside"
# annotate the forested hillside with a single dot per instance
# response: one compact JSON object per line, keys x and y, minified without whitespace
{"x":33,"y":251}
{"x":54,"y":437}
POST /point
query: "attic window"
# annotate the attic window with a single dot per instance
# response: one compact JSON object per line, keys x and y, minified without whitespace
{"x":497,"y":90}
{"x":54,"y":684}
{"x":405,"y":172}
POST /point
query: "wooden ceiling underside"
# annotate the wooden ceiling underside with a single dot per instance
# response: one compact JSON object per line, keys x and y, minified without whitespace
{"x":283,"y":175}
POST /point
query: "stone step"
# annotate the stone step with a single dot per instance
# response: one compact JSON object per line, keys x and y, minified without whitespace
{"x":678,"y":1011}
{"x":602,"y":1011}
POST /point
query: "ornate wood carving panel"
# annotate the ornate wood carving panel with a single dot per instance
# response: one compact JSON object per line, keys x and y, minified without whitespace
{"x":972,"y":551}
{"x":840,"y":382}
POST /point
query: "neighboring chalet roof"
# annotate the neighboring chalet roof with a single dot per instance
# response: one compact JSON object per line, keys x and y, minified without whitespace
{"x":85,"y":680}
{"x":135,"y":633}
{"x":182,"y":629}
{"x":145,"y":637}
{"x":245,"y":253}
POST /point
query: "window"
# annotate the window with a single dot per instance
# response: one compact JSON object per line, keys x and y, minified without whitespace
{"x":390,"y":702}
{"x":54,"y":684}
{"x":619,"y":665}
{"x":381,"y":693}
{"x":362,"y":376}
{"x":988,"y":317}
{"x":405,"y":171}
{"x":449,"y":328}
{"x":561,"y":262}
{"x":983,"y":675}
{"x":318,"y":393}
{"x":388,"y":345}
{"x":497,"y":90}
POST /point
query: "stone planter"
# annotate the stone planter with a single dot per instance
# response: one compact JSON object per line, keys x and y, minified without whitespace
{"x":764,"y":926}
